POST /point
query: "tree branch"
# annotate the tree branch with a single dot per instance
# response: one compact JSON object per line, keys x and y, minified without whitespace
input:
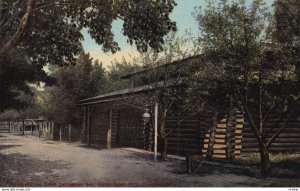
{"x":269,"y":110}
{"x":184,"y":118}
{"x":167,"y":134}
{"x":16,"y":37}
{"x":54,"y":4}
{"x":253,"y":127}
{"x":282,"y":127}
{"x":19,"y":5}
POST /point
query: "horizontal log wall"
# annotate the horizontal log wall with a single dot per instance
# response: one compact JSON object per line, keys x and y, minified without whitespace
{"x":99,"y":127}
{"x":187,"y":136}
{"x":287,"y":141}
{"x":130,"y":128}
{"x":115,"y":126}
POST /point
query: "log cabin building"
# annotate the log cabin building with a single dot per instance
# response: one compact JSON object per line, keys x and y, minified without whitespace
{"x":110,"y":120}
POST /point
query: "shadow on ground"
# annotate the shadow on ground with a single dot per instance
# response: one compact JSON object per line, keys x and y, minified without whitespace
{"x":209,"y":169}
{"x":94,"y":147}
{"x":21,"y":170}
{"x":284,"y":169}
{"x":287,"y":169}
{"x":2,"y":147}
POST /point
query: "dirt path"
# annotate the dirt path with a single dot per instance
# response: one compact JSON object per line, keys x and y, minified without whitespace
{"x":27,"y":160}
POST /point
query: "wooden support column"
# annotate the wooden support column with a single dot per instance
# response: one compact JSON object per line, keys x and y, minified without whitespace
{"x":51,"y":130}
{"x":60,"y":133}
{"x":109,"y":130}
{"x":23,"y":125}
{"x":155,"y":131}
{"x":70,"y":131}
{"x":84,"y":124}
{"x":32,"y":128}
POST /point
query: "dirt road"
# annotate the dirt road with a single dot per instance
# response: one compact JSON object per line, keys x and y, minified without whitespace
{"x":30,"y":161}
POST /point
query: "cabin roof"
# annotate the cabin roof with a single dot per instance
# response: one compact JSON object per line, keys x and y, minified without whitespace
{"x":124,"y":93}
{"x":182,"y":61}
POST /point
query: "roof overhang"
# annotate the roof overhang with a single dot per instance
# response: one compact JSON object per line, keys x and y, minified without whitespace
{"x":125,"y":93}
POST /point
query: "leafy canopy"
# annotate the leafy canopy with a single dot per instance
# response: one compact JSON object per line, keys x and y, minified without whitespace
{"x":34,"y":33}
{"x":73,"y":83}
{"x":246,"y":67}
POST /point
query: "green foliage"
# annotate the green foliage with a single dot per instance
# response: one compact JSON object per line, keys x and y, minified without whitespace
{"x":242,"y":55}
{"x":34,"y":33}
{"x":9,"y":115}
{"x":174,"y":48}
{"x":29,"y":108}
{"x":287,"y":33}
{"x":73,"y":83}
{"x":287,"y":15}
{"x":118,"y":69}
{"x":246,"y":67}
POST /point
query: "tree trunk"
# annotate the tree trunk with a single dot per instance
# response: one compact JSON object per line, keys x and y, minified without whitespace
{"x":164,"y":147}
{"x":20,"y":30}
{"x":264,"y":162}
{"x":162,"y":134}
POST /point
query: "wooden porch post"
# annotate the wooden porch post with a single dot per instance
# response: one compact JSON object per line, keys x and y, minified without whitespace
{"x":84,"y":124}
{"x":23,"y":124}
{"x":32,"y":127}
{"x":60,"y":133}
{"x":70,"y":130}
{"x":155,"y":131}
{"x":109,"y":130}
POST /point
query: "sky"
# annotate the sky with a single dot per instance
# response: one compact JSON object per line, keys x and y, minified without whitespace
{"x":182,"y":14}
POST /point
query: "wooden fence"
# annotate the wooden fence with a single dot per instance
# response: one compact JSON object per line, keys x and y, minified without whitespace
{"x":5,"y":126}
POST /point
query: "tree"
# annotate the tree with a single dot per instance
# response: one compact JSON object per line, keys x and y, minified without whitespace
{"x":40,"y":32}
{"x":245,"y":67}
{"x":165,"y":82}
{"x":287,"y":33}
{"x":30,"y":108}
{"x":73,"y":83}
{"x":118,"y":69}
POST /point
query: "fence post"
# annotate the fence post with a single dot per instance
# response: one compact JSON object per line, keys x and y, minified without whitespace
{"x":23,"y":124}
{"x":70,"y":129}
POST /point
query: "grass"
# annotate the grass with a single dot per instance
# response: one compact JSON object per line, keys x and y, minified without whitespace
{"x":284,"y":183}
{"x":282,"y":165}
{"x":254,"y":159}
